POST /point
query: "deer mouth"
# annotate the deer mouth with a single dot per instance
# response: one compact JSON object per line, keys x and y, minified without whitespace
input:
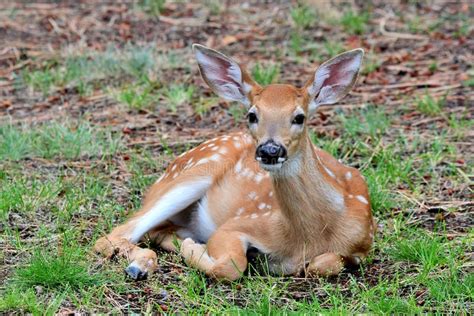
{"x":271,"y":166}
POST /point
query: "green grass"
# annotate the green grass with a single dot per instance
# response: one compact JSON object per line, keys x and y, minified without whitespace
{"x":303,"y":16}
{"x":355,"y":23}
{"x":267,"y":74}
{"x":429,"y":105}
{"x":152,"y":7}
{"x":61,"y":270}
{"x":428,"y":252}
{"x":91,"y":71}
{"x":178,"y":94}
{"x":65,"y":141}
{"x":137,"y":97}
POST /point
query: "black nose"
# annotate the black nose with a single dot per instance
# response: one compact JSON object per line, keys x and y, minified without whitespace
{"x":271,"y":153}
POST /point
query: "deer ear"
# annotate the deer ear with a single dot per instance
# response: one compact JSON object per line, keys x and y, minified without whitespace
{"x":223,"y":75}
{"x":334,"y":79}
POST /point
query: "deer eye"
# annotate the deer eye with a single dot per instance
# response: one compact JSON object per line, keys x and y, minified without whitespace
{"x":252,"y":117}
{"x":298,"y":119}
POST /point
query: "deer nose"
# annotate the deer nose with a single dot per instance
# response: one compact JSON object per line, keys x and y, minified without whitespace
{"x":271,"y":153}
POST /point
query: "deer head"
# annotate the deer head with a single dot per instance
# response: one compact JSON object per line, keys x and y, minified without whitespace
{"x":277,"y":113}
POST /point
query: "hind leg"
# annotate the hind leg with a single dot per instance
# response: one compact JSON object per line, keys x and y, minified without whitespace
{"x":160,"y":205}
{"x":224,"y":258}
{"x":326,"y":264}
{"x":165,"y":238}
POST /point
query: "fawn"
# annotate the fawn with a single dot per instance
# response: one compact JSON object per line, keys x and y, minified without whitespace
{"x":271,"y":190}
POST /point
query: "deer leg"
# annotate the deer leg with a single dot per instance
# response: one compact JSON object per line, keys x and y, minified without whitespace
{"x":122,"y":240}
{"x":143,"y":261}
{"x":326,"y":264}
{"x":224,"y":258}
{"x":165,"y":238}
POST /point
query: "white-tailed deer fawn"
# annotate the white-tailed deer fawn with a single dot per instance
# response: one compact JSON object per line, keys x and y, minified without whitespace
{"x":271,"y":189}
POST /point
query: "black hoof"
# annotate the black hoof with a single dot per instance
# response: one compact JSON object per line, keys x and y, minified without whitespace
{"x":135,"y":273}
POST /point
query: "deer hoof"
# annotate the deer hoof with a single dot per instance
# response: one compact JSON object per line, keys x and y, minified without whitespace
{"x":135,"y":273}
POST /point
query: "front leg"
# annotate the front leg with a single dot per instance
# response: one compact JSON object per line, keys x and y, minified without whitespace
{"x":327,"y":264}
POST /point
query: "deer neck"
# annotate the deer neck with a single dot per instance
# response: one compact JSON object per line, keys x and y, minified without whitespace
{"x":310,"y":204}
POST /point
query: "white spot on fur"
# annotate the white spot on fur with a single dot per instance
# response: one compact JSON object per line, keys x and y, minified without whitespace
{"x":247,"y":173}
{"x":329,"y":172}
{"x":348,"y":175}
{"x":336,"y":199}
{"x":223,"y":151}
{"x":254,"y":216}
{"x":258,"y":177}
{"x":237,"y":144}
{"x":170,"y":204}
{"x":173,"y":168}
{"x":215,"y":157}
{"x":238,"y":166}
{"x":261,"y":206}
{"x":214,"y":148}
{"x":248,"y":139}
{"x":267,"y":213}
{"x":161,"y":178}
{"x":270,"y":194}
{"x":350,"y":196}
{"x":240,"y":211}
{"x":175,"y":175}
{"x":252,"y":195}
{"x":202,"y":161}
{"x":362,"y":199}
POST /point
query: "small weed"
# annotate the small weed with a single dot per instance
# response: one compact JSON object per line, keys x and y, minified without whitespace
{"x":355,"y":23}
{"x":202,"y":106}
{"x":42,"y":80}
{"x":137,"y":97}
{"x":429,"y":105}
{"x":152,"y":7}
{"x":433,"y":66}
{"x":177,"y":95}
{"x":415,"y":25}
{"x":265,"y":75}
{"x":303,"y":16}
{"x":470,"y":81}
{"x":296,"y":43}
{"x":215,"y":6}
